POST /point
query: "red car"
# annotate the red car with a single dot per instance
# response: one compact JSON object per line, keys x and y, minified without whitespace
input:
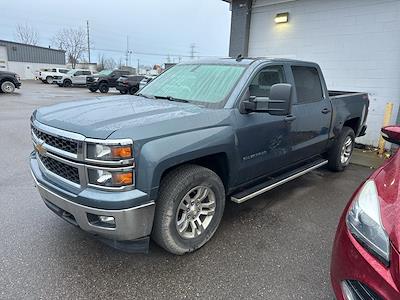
{"x":366,"y":252}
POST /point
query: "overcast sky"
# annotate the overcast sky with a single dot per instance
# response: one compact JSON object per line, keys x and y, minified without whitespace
{"x":153,"y":26}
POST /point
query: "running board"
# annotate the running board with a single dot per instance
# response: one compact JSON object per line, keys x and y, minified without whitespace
{"x":275,"y":182}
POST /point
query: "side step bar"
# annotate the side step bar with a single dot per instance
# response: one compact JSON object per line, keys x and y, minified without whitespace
{"x":275,"y":182}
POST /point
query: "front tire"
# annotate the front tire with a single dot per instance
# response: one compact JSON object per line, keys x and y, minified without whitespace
{"x":340,"y":154}
{"x":103,"y":88}
{"x":189,"y":209}
{"x":8,"y":87}
{"x":67,"y":83}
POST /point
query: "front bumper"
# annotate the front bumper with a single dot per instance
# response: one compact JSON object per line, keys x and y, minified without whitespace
{"x":355,"y":269}
{"x":130,"y":223}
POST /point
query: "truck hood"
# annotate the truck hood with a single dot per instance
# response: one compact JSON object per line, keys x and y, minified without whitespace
{"x":132,"y":116}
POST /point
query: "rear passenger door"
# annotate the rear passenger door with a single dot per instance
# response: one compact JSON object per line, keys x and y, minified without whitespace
{"x":312,"y":112}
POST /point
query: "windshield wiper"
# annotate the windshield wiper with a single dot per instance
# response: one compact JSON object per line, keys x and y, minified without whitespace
{"x":146,"y":96}
{"x":170,"y":98}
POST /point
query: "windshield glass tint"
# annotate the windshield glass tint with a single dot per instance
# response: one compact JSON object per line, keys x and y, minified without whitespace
{"x":105,"y":72}
{"x":198,"y":83}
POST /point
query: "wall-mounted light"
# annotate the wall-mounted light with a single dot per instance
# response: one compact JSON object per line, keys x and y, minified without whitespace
{"x":282,"y":18}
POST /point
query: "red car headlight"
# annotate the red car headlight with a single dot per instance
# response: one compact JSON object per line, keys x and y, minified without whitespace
{"x":365,"y":224}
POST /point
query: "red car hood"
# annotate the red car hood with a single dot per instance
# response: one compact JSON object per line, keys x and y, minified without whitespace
{"x":387,"y":181}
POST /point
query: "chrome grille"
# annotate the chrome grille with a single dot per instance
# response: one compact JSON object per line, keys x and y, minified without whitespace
{"x":57,"y":142}
{"x":63,"y":170}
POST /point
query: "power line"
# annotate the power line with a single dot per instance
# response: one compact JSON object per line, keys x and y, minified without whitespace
{"x":152,"y":53}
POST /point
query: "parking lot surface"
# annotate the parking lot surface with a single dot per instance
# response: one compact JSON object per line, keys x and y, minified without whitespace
{"x":276,"y":246}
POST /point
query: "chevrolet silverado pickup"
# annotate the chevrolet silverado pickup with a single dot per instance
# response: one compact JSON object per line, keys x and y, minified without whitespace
{"x":161,"y":164}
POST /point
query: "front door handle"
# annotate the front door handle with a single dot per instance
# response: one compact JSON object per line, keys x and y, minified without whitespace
{"x":290,"y":118}
{"x":326,"y":111}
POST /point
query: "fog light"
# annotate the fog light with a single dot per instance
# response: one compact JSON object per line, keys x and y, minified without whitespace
{"x":101,"y":221}
{"x":107,"y":219}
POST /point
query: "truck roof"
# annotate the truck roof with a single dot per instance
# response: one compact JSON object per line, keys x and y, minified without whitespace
{"x":243,"y":61}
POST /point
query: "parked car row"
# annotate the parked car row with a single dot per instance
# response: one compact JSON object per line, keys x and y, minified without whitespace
{"x":103,"y":81}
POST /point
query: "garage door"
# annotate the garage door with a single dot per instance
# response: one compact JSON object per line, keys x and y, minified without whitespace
{"x":3,"y":58}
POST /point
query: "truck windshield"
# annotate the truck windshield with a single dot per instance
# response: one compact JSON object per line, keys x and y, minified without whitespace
{"x":205,"y":84}
{"x":105,"y":72}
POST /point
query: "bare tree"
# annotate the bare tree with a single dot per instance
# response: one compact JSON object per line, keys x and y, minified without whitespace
{"x":27,"y":35}
{"x":110,"y":63}
{"x":73,"y":41}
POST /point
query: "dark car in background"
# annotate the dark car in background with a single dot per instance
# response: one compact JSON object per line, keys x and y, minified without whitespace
{"x":129,"y":84}
{"x":104,"y":80}
{"x":9,"y":81}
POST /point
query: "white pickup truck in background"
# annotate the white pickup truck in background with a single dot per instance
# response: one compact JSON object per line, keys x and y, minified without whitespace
{"x":73,"y":77}
{"x":47,"y":75}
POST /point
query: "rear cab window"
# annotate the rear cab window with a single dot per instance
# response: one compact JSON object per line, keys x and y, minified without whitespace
{"x":308,"y":84}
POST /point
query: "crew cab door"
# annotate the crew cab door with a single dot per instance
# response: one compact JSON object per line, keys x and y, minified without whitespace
{"x":263,"y":139}
{"x":312,"y":110}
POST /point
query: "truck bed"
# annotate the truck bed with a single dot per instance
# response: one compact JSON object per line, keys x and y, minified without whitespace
{"x":351,"y":106}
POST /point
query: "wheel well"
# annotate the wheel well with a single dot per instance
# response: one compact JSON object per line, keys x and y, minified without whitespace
{"x":215,"y":162}
{"x":353,"y":124}
{"x":6,"y":79}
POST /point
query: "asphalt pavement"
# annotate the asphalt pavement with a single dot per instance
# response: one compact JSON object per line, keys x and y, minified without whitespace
{"x":276,"y":246}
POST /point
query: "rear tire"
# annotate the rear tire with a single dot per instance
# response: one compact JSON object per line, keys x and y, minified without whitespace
{"x":192,"y":197}
{"x":103,"y":88}
{"x":7,"y":87}
{"x":49,"y":79}
{"x":123,"y":92}
{"x":340,"y":154}
{"x":93,"y":90}
{"x":67,"y":83}
{"x":133,"y":90}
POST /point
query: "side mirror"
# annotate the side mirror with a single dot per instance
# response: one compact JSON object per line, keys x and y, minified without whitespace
{"x":279,"y":102}
{"x":391,"y":134}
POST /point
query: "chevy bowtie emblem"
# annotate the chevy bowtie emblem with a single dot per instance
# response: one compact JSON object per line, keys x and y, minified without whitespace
{"x":40,"y":149}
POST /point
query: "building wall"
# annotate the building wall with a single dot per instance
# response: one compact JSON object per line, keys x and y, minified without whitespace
{"x":27,"y":70}
{"x":33,"y":54}
{"x":356,"y":42}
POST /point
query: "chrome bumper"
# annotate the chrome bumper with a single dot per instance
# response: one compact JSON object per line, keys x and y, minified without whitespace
{"x":130,"y":224}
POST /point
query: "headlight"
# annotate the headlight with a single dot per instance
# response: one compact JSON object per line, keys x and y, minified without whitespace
{"x":109,"y":178}
{"x":365,"y":224}
{"x":109,"y":152}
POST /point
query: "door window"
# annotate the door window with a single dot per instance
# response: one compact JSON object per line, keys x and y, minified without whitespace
{"x":308,"y":84}
{"x":261,"y":85}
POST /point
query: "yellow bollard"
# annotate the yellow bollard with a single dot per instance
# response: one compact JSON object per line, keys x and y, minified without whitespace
{"x":386,"y":121}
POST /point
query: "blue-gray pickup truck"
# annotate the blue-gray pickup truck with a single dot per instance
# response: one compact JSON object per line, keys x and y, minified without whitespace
{"x":161,"y":164}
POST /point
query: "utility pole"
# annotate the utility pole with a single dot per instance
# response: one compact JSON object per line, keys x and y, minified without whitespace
{"x":88,"y":38}
{"x":138,"y":66}
{"x":127,"y":51}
